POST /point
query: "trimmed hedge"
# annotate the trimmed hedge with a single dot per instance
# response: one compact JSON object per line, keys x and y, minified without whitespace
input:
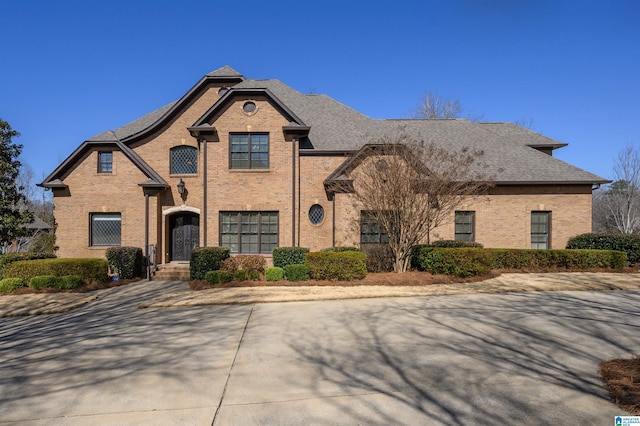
{"x":296,"y":272}
{"x":283,"y":256}
{"x":348,"y":265}
{"x":8,"y":258}
{"x":466,"y":262}
{"x":9,"y":284}
{"x":205,"y":259}
{"x":628,"y":243}
{"x":339,"y":249}
{"x":246,"y":275}
{"x":91,"y":270}
{"x":274,"y":274}
{"x":66,"y":282}
{"x":125,"y":262}
{"x":216,"y":277}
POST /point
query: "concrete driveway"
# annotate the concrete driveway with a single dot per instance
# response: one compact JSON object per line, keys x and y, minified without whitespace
{"x":526,"y":359}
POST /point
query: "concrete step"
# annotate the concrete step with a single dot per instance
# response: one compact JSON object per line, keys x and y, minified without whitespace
{"x":172,"y":272}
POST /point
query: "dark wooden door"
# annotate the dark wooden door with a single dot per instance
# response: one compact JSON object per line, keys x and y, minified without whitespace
{"x":185,"y":235}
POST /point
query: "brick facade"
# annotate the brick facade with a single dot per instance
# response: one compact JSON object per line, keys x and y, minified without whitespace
{"x":290,"y":186}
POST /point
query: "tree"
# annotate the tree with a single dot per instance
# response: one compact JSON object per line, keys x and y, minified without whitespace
{"x":617,"y":206}
{"x":411,"y":187}
{"x":433,"y":105}
{"x":13,"y":216}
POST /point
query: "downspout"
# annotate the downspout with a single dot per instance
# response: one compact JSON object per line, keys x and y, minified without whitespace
{"x":293,"y":192}
{"x":299,"y":193}
{"x":333,"y":220}
{"x":204,"y":194}
{"x":146,"y":233}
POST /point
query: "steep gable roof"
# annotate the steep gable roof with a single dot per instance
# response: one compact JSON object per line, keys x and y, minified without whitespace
{"x":336,"y":128}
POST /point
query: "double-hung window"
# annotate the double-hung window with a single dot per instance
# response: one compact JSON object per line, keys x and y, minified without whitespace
{"x":249,"y":232}
{"x":370,"y":231}
{"x":540,"y":230}
{"x":249,"y":151}
{"x":464,"y":223}
{"x":105,"y":162}
{"x":105,"y":229}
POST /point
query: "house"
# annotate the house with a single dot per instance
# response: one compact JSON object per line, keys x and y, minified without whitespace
{"x":255,"y":164}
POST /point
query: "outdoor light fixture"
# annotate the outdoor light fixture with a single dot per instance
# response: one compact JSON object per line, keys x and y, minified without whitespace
{"x":181,"y":187}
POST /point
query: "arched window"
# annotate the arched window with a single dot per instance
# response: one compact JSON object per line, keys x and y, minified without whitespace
{"x":184,"y":160}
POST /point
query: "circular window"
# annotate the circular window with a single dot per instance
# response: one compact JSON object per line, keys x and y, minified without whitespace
{"x":222,"y":91}
{"x":316,"y":214}
{"x":249,"y":107}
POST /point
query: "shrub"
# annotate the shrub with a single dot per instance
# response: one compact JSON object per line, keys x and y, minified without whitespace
{"x":283,"y":256}
{"x":248,"y":262}
{"x":473,"y":261}
{"x":461,"y":262}
{"x":296,"y":272}
{"x":348,"y":265}
{"x":628,"y":243}
{"x":380,"y":258}
{"x":42,"y":281}
{"x":8,"y":258}
{"x":10,"y":284}
{"x":91,"y":270}
{"x":216,"y":277}
{"x":204,"y":259}
{"x":68,"y":282}
{"x":274,"y":274}
{"x":339,"y":249}
{"x":246,"y":275}
{"x":125,"y":262}
{"x":456,"y":244}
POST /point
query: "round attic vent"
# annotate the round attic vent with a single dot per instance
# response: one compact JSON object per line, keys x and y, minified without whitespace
{"x":222,"y":91}
{"x":249,"y":108}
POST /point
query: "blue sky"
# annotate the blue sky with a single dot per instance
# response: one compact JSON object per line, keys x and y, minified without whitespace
{"x":73,"y":69}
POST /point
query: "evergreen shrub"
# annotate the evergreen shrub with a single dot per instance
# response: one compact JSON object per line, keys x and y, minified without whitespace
{"x":296,"y":272}
{"x":274,"y":274}
{"x":348,"y":265}
{"x":125,"y":262}
{"x":205,"y":259}
{"x":283,"y":256}
{"x":9,"y":284}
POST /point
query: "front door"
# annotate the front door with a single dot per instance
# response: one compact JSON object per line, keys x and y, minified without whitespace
{"x":184,"y":229}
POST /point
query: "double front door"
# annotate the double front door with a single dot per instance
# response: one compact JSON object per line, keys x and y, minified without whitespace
{"x":184,"y":229}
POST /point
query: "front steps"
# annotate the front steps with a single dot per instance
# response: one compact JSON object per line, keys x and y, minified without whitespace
{"x":174,"y":271}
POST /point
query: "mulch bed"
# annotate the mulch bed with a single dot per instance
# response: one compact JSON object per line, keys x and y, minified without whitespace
{"x":621,"y":378}
{"x":409,"y":278}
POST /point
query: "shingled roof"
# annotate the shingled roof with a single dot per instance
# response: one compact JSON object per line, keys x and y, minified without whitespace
{"x":509,"y":149}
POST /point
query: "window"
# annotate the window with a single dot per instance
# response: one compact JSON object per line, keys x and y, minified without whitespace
{"x":370,"y":232}
{"x":184,"y":160}
{"x":464,"y":225}
{"x":540,"y":227}
{"x":106,"y":229}
{"x":316,"y":214}
{"x":249,"y":151}
{"x":249,"y":232}
{"x":105,"y":162}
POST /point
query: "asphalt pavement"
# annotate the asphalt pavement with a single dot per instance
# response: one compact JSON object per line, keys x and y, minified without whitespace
{"x":480,"y":359}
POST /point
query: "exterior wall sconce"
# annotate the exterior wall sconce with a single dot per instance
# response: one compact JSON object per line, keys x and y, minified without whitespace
{"x":181,"y":187}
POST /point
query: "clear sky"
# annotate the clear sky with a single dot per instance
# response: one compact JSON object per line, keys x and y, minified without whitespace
{"x":75,"y":68}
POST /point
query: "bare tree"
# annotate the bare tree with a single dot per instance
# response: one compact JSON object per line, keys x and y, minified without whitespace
{"x":432,"y":105}
{"x":411,"y":187}
{"x":619,"y":204}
